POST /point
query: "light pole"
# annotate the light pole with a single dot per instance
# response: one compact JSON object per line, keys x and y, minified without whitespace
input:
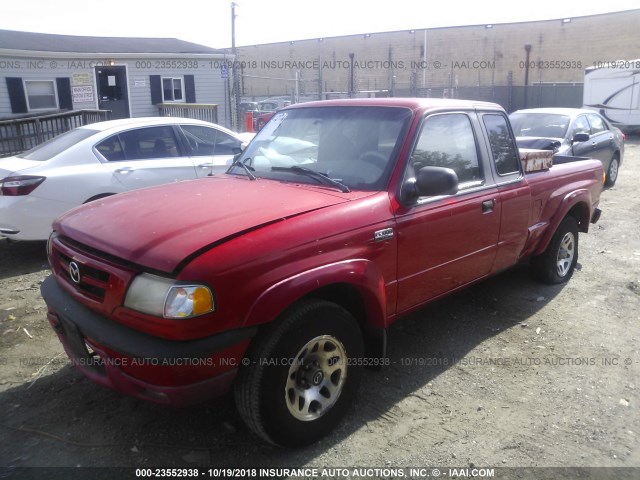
{"x":236,"y":84}
{"x":351,"y":76}
{"x":527,"y":49}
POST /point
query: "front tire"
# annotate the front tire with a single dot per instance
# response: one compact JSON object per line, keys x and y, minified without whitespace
{"x":301,"y":376}
{"x":557,"y":263}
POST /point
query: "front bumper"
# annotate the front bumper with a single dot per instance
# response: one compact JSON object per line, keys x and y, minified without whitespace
{"x":137,"y":364}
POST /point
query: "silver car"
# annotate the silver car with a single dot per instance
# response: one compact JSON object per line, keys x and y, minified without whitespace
{"x":571,"y":131}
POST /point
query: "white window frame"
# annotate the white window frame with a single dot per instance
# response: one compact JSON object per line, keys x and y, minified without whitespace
{"x":55,"y":94}
{"x":166,"y":100}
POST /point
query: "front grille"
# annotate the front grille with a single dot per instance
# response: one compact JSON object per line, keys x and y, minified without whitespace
{"x":103,"y":279}
{"x":93,"y":281}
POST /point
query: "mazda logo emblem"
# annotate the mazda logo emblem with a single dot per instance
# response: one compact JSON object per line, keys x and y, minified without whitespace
{"x":318,"y":377}
{"x":74,"y":272}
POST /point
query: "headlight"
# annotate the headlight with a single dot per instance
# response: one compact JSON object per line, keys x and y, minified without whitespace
{"x":163,"y":297}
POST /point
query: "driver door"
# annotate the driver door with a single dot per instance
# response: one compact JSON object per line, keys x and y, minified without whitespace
{"x":448,"y":241}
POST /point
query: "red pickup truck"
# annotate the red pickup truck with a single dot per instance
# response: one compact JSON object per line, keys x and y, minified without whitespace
{"x":279,"y":278}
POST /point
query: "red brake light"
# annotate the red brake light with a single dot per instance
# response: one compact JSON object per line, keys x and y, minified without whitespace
{"x":19,"y":185}
{"x":624,"y":137}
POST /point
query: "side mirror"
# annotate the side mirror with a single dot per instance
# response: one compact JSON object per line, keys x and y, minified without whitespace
{"x":580,"y":137}
{"x":431,"y":182}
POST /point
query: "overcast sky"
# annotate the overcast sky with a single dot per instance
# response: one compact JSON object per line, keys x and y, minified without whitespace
{"x":266,"y":21}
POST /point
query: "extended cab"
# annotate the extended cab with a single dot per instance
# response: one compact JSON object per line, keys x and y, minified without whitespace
{"x":279,"y":278}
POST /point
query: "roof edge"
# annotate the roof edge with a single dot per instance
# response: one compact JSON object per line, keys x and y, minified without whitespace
{"x":108,"y":55}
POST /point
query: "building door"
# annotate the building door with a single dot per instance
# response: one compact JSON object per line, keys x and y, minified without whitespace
{"x":113,"y":93}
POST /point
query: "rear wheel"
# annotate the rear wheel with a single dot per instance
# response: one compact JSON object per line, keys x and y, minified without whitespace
{"x":612,"y":172}
{"x":301,"y":376}
{"x":557,"y":263}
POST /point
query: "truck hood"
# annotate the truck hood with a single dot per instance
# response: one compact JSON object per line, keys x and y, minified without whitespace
{"x":160,"y":227}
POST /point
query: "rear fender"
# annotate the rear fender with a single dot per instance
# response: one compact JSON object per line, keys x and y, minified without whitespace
{"x":578,"y":204}
{"x":363,"y":275}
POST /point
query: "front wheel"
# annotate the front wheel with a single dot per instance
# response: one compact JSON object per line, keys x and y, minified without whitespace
{"x":300,"y":378}
{"x":557,"y":263}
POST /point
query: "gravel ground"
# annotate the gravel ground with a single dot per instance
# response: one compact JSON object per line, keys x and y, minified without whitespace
{"x":508,"y":373}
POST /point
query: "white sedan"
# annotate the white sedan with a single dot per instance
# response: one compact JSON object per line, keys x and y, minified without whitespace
{"x":102,"y":159}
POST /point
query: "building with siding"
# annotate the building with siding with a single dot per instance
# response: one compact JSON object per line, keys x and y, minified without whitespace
{"x":132,"y":77}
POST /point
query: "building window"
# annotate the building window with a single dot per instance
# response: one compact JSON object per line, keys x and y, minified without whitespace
{"x":41,"y":94}
{"x":172,"y":90}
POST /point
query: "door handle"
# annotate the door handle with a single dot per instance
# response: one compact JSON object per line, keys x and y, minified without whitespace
{"x":125,"y":170}
{"x":488,"y":205}
{"x":205,"y":165}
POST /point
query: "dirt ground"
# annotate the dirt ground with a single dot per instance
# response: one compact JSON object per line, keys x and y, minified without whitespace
{"x":509,"y":373}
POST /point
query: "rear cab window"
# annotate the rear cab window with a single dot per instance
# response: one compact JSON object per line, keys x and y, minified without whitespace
{"x":504,"y":152}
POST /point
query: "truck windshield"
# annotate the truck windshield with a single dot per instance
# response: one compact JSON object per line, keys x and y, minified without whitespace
{"x":547,"y":125}
{"x":355,"y":146}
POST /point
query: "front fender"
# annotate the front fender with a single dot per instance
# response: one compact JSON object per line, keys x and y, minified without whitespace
{"x":361,"y":274}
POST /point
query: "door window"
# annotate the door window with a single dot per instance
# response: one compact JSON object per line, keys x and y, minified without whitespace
{"x":140,"y":144}
{"x":597,"y":125}
{"x":580,"y":125}
{"x":448,"y":141}
{"x":206,"y":141}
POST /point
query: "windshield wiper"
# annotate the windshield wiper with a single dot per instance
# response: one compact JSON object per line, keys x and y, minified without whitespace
{"x":246,"y":167}
{"x":317,"y":175}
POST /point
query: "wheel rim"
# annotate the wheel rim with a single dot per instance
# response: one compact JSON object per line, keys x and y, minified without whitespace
{"x":613,"y":170}
{"x":566,"y":253}
{"x":316,"y":378}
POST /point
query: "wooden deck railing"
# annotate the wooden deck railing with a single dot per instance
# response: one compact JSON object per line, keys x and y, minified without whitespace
{"x":199,"y":111}
{"x":20,"y":134}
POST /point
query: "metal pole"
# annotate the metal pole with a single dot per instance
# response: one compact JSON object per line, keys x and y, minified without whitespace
{"x":424,"y":61}
{"x":320,"y":78}
{"x":527,"y":48}
{"x":351,"y":75}
{"x":236,"y":89}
